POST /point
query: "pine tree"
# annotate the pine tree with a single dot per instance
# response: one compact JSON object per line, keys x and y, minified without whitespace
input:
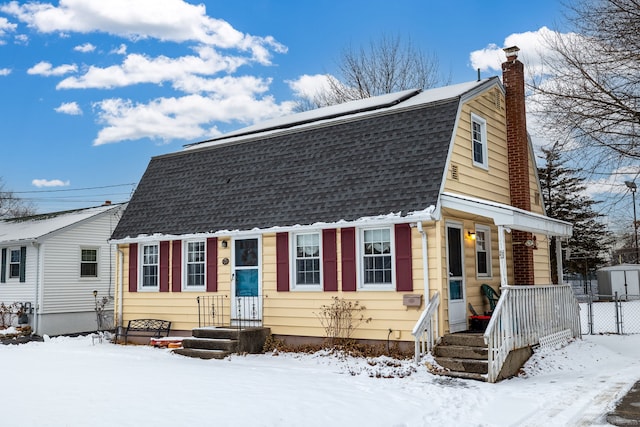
{"x":564,"y":199}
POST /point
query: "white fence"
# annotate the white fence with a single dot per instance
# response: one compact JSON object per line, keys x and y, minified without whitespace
{"x":524,"y":315}
{"x":425,"y":332}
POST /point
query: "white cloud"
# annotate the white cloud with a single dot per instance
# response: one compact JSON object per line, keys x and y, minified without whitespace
{"x":85,"y":48}
{"x":138,"y":69}
{"x":5,"y":71}
{"x":5,"y":28}
{"x":186,"y":118}
{"x":307,"y":86}
{"x":120,"y":50}
{"x":21,"y":39}
{"x":71,"y":108}
{"x":44,"y":68}
{"x":167,"y":20}
{"x":50,"y":183}
{"x":532,"y":44}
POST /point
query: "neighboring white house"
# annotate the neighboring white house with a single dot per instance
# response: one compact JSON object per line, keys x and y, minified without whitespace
{"x":51,"y":264}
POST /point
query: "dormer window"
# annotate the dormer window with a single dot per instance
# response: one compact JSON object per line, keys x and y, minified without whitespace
{"x":479,"y":141}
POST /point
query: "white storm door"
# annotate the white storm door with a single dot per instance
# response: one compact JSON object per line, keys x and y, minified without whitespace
{"x":246,"y":289}
{"x":455,"y":264}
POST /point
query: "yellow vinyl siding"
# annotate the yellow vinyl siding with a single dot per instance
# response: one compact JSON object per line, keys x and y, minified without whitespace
{"x":286,"y":313}
{"x":492,"y":183}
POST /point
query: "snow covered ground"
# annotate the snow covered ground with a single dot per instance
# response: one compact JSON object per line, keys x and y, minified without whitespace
{"x":74,"y":382}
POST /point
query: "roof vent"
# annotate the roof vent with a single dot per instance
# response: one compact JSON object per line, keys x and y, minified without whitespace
{"x":454,"y":172}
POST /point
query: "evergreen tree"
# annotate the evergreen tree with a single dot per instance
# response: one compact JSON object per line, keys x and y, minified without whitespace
{"x":564,"y":199}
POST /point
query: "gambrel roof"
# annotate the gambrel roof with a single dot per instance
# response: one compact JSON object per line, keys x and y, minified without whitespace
{"x":362,"y":159}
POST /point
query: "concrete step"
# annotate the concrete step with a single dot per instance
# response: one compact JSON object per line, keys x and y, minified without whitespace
{"x":229,"y":345}
{"x":461,"y":352}
{"x":471,"y":339}
{"x":463,"y":375}
{"x":201,"y":353}
{"x":215,"y":332}
{"x":463,"y":365}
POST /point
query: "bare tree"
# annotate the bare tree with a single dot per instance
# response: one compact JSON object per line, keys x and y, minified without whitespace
{"x":12,"y":206}
{"x":384,"y":66}
{"x":590,"y":89}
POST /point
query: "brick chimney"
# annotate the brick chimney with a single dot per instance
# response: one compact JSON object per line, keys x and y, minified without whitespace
{"x":518,"y":152}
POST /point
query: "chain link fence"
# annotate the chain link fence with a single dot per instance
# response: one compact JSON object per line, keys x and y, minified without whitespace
{"x":609,"y":314}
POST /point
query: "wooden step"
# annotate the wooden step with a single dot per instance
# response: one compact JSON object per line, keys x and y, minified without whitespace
{"x":201,"y":353}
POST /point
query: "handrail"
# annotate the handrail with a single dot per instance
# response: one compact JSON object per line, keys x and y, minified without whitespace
{"x":425,"y":332}
{"x":525,"y":314}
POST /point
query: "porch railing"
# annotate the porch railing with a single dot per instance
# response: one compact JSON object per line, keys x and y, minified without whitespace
{"x":425,"y":332}
{"x":524,"y":315}
{"x":225,"y":311}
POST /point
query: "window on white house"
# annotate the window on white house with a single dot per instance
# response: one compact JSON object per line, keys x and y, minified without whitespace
{"x":479,"y":141}
{"x":377,"y":257}
{"x":195,"y":264}
{"x":483,"y":251}
{"x":88,"y":263}
{"x":14,"y":263}
{"x":307,"y":259}
{"x":150,"y":258}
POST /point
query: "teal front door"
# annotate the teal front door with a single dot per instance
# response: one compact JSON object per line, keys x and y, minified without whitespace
{"x":246,"y":286}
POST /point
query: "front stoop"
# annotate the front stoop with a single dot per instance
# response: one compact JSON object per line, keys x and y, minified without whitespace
{"x":462,"y":355}
{"x":218,"y":343}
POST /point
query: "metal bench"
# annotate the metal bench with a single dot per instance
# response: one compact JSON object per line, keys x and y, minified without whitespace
{"x":152,"y":328}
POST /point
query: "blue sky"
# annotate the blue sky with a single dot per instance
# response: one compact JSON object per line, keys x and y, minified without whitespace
{"x":92,"y":89}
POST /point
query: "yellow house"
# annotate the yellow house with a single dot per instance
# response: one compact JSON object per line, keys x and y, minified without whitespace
{"x":386,"y":201}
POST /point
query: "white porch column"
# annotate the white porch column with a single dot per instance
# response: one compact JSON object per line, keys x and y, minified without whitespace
{"x":502,"y":251}
{"x":559,"y":260}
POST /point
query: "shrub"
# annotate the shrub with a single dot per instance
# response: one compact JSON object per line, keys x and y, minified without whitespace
{"x":340,"y":319}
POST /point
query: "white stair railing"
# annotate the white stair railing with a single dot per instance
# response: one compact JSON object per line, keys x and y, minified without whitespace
{"x":524,"y":315}
{"x":425,"y":332}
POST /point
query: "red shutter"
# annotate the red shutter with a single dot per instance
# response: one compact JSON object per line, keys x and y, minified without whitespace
{"x":329,"y":260}
{"x":164,"y":266}
{"x":404,"y":273}
{"x":176,"y":266}
{"x":348,"y":246}
{"x":133,"y":267}
{"x":212,"y":264}
{"x":282,"y":262}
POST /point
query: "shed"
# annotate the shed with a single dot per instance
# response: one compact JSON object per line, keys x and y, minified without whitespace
{"x":623,"y":279}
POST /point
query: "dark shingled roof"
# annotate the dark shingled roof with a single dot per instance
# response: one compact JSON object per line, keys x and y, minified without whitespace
{"x":345,"y":170}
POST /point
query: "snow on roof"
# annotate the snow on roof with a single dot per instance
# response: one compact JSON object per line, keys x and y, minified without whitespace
{"x":358,"y":108}
{"x":36,"y":226}
{"x":350,"y":107}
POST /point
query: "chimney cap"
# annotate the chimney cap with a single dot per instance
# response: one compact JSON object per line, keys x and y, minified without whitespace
{"x":512,"y":52}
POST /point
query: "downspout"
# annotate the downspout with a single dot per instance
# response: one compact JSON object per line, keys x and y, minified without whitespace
{"x":425,"y":260}
{"x":120,"y":286}
{"x":36,"y":302}
{"x":559,"y":261}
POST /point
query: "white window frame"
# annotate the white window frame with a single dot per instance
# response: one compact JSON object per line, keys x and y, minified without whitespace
{"x":141,"y":266}
{"x":294,"y":267}
{"x":483,"y":142}
{"x":97,"y":262}
{"x":185,"y":265}
{"x":360,"y":255}
{"x":486,"y":231}
{"x":10,"y":276}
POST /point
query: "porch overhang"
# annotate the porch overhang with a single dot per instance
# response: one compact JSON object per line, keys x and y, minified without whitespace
{"x":507,"y":216}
